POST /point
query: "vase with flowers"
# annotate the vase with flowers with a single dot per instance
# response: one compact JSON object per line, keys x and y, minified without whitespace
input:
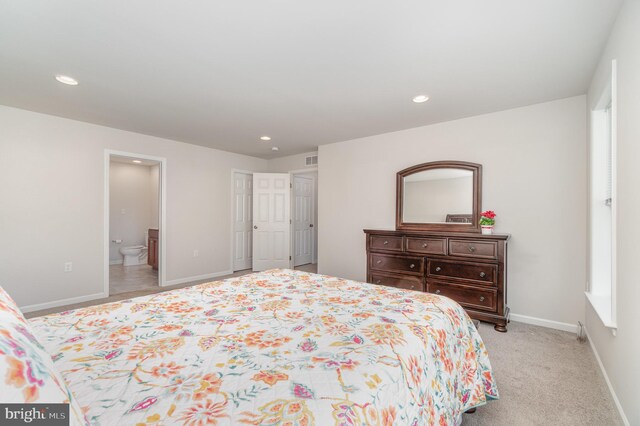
{"x":487,"y":221}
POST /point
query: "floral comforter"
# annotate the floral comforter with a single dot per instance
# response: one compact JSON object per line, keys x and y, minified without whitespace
{"x":280,"y":347}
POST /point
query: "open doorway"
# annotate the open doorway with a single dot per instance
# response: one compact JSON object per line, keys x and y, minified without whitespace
{"x":133,"y":206}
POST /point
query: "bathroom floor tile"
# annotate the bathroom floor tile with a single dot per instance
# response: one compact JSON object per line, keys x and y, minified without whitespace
{"x":123,"y":279}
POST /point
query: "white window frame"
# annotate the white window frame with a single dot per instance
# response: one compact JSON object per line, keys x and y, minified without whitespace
{"x":601,"y":291}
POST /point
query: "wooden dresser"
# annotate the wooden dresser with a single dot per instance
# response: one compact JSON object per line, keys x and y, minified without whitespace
{"x":469,"y":268}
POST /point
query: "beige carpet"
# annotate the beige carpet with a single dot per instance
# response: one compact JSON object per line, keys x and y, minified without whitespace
{"x":544,"y":376}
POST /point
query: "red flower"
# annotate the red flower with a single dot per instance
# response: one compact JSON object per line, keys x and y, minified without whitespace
{"x":489,"y":214}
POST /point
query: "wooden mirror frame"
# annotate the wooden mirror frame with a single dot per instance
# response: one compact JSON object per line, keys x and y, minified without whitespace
{"x":443,"y":227}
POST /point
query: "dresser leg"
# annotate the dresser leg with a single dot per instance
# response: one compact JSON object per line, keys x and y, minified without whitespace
{"x":502,"y":328}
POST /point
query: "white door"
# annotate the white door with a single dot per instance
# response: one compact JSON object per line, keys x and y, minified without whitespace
{"x":302,"y":220}
{"x":271,"y":221}
{"x":242,"y":221}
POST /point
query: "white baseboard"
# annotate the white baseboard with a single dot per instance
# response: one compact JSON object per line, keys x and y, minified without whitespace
{"x":196,"y":278}
{"x":606,"y":379}
{"x":573,"y":328}
{"x":116,"y":262}
{"x":62,"y":302}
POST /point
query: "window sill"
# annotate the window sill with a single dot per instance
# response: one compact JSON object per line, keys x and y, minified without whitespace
{"x":602,"y":305}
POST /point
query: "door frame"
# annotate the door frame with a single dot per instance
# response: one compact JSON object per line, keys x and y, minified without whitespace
{"x":233,"y":214}
{"x":162,"y":195}
{"x":314,"y":255}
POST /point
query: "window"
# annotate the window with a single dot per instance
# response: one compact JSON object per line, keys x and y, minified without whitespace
{"x":602,"y":206}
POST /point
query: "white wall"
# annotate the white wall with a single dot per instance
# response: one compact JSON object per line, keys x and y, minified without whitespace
{"x":619,"y":354}
{"x":154,"y":205}
{"x":534,"y":177}
{"x":51,"y":209}
{"x":290,"y":163}
{"x":132,"y":210}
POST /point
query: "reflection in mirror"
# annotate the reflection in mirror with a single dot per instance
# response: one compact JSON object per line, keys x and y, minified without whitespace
{"x":438,"y":196}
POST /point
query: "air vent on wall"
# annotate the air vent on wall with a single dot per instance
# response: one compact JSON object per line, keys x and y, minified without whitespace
{"x":312,"y":160}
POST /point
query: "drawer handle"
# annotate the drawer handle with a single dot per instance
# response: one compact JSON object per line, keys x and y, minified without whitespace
{"x":472,"y":249}
{"x":438,"y":269}
{"x":385,"y":242}
{"x":378,"y":281}
{"x":378,"y":262}
{"x":437,"y":291}
{"x":412,"y":266}
{"x":482,"y":298}
{"x":424,"y":245}
{"x":482,"y":275}
{"x":413,"y":287}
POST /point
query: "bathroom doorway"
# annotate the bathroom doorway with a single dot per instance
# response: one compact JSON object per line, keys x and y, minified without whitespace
{"x":134,"y":222}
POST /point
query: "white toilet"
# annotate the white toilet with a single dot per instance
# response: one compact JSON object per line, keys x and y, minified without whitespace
{"x":135,"y":255}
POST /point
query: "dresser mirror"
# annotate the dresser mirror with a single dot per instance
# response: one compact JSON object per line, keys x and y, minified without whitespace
{"x":439,"y":196}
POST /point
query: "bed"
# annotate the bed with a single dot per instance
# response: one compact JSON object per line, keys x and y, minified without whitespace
{"x":277,"y":347}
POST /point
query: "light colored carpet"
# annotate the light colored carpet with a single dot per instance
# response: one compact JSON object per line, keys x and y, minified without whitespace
{"x":544,"y":376}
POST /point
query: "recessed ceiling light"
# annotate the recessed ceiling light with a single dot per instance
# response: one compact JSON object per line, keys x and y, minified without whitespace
{"x":275,"y":148}
{"x":265,"y":138}
{"x":420,"y":99}
{"x":67,"y":80}
{"x":137,"y":161}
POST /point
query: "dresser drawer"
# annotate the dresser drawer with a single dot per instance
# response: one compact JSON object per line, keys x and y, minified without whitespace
{"x":479,"y":273}
{"x":470,"y":248}
{"x":466,"y":296}
{"x":402,"y":264}
{"x":381,"y":242}
{"x":427,"y":245}
{"x":407,"y":283}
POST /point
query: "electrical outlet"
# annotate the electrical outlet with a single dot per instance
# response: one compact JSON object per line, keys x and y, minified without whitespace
{"x":196,"y":253}
{"x":68,"y":267}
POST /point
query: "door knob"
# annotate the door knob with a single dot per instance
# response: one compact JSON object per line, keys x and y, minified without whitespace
{"x":255,"y":226}
{"x":311,"y":225}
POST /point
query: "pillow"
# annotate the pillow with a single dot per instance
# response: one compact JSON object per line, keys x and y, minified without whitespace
{"x":27,"y":373}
